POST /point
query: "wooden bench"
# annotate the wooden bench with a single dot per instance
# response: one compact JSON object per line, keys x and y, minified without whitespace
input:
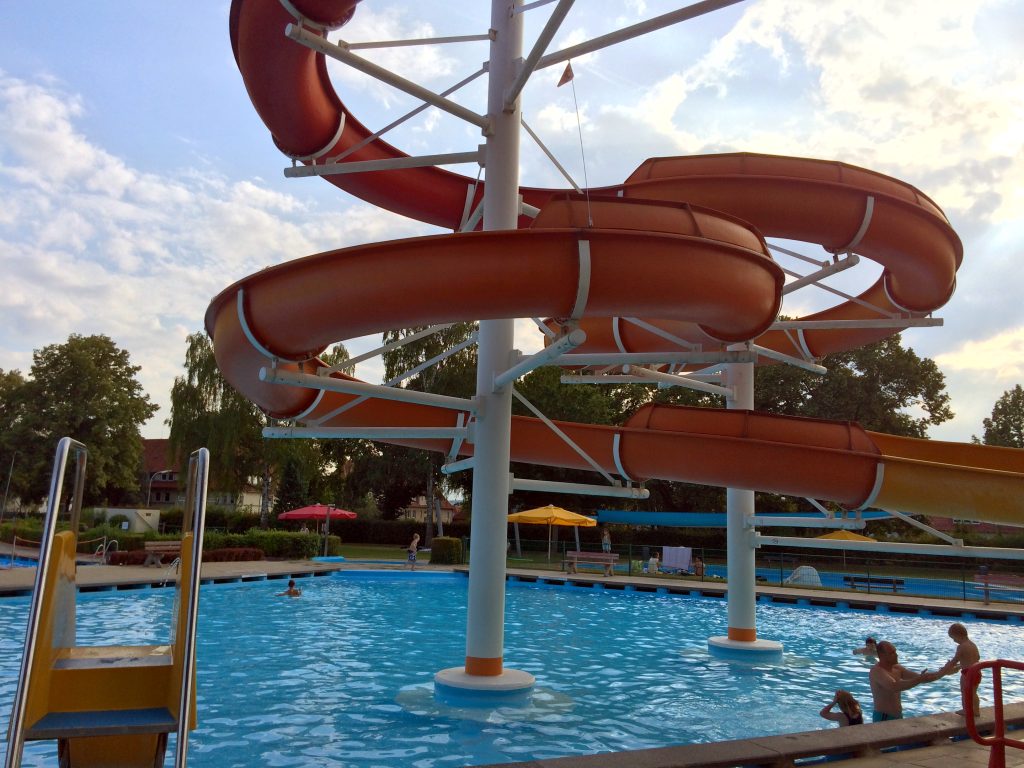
{"x":155,"y":551}
{"x":874,"y":581}
{"x":605,"y":559}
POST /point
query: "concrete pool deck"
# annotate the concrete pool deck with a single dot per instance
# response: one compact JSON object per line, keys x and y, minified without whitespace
{"x":943,"y":733}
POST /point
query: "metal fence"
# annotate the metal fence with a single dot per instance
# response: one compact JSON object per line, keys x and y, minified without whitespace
{"x":951,"y":578}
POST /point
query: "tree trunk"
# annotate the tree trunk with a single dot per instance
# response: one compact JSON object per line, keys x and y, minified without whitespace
{"x":428,"y":512}
{"x":265,"y":498}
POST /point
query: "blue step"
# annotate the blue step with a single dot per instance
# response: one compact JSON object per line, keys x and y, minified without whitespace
{"x":112,"y":722}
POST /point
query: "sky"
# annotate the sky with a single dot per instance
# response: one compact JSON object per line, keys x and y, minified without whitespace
{"x":137,"y":181}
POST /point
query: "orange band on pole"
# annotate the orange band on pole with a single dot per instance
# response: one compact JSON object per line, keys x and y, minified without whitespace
{"x":483,"y":667}
{"x":744,"y":635}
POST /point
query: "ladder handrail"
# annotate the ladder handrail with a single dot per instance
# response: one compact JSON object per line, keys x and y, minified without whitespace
{"x":198,"y":477}
{"x":998,"y":741}
{"x":15,"y":733}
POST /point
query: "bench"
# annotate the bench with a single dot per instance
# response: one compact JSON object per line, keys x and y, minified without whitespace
{"x":874,"y":581}
{"x":155,"y":551}
{"x":605,"y":559}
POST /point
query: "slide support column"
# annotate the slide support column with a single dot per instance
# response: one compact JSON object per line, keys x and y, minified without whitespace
{"x":484,"y":679}
{"x":741,"y":641}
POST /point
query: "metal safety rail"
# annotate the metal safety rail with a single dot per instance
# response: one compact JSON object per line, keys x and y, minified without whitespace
{"x":179,"y":683}
{"x":998,"y":741}
{"x":65,"y":448}
{"x":198,"y":478}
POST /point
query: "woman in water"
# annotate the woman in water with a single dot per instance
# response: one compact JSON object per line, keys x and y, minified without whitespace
{"x":849,"y":710}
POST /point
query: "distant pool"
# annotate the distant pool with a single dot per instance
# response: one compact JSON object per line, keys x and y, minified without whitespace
{"x":6,"y":561}
{"x":343,"y":675}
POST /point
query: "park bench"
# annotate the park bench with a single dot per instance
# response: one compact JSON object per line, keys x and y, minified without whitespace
{"x":874,"y":581}
{"x":155,"y":551}
{"x":606,"y":560}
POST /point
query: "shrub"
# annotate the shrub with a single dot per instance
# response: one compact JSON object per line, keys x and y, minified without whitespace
{"x":116,"y":521}
{"x":232,"y":555}
{"x":446,"y":550}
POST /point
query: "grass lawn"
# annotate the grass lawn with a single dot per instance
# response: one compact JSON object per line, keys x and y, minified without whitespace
{"x":373,"y":551}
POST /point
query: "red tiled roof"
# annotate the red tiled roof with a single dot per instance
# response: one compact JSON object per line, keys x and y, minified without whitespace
{"x":156,"y":456}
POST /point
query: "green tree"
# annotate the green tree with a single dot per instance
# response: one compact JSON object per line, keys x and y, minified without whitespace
{"x":207,"y":412}
{"x":882,"y":386}
{"x":1006,"y":425}
{"x":292,"y":492}
{"x":85,"y":389}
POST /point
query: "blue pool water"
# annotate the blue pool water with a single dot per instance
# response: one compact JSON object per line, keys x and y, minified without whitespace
{"x":6,"y":561}
{"x":343,"y":675}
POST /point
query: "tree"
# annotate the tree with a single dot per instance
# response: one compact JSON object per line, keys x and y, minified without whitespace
{"x":292,"y":492}
{"x":879,"y":386}
{"x":1006,"y":425}
{"x":85,"y":389}
{"x":207,"y":412}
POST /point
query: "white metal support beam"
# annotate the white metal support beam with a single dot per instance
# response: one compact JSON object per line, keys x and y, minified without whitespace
{"x":789,"y":359}
{"x":583,"y":489}
{"x":628,"y":33}
{"x":393,"y":164}
{"x":926,"y":528}
{"x":366,"y":433}
{"x":385,"y":348}
{"x":539,"y":46}
{"x":676,"y":380}
{"x":417,"y":41}
{"x":544,"y":357}
{"x":315,"y":42}
{"x":832,"y":268}
{"x":565,"y":438}
{"x":809,"y":522}
{"x":654,"y":358}
{"x":348,"y":386}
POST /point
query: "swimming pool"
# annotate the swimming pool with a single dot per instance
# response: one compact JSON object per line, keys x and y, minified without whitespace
{"x":6,"y":561}
{"x":343,"y":675}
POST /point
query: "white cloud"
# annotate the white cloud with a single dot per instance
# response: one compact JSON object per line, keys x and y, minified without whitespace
{"x":95,"y":246}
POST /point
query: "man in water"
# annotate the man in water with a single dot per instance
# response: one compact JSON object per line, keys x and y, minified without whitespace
{"x":889,"y":680}
{"x":292,"y":590}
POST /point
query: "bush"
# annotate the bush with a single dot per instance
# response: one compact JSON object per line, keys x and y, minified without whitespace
{"x":232,"y":555}
{"x":446,"y":550}
{"x":116,"y":521}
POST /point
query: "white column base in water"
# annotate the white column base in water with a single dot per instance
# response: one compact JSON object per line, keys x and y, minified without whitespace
{"x":512,"y":687}
{"x":745,"y":650}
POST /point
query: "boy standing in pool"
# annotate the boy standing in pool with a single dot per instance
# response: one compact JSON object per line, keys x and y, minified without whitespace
{"x":967,"y":655}
{"x":889,"y":680}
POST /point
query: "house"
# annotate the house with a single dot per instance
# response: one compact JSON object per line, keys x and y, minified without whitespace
{"x":163,"y":486}
{"x":159,"y":486}
{"x":417,"y":510}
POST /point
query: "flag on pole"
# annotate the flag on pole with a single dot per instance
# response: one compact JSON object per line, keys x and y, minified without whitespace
{"x":566,"y":75}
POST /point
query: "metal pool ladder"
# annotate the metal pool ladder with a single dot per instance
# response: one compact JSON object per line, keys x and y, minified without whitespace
{"x":106,"y":702}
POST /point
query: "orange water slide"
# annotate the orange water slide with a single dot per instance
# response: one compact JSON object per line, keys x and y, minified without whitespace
{"x":679,"y":244}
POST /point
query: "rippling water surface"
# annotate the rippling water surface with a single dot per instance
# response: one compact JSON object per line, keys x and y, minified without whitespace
{"x":343,"y":675}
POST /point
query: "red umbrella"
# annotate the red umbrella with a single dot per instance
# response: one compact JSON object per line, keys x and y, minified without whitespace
{"x":317,"y":512}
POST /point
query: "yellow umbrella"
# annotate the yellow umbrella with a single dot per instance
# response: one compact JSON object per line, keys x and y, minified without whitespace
{"x":844,"y":535}
{"x":551,"y":515}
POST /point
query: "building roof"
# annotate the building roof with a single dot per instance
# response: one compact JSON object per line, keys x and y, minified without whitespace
{"x":156,"y":456}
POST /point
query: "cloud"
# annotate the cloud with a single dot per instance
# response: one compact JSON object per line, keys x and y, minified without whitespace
{"x":90,"y":245}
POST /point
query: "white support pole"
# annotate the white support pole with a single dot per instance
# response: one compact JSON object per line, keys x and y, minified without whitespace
{"x":677,"y":380}
{"x":582,"y":489}
{"x":742,"y":600}
{"x":393,"y":164}
{"x":352,"y":387}
{"x":565,"y":344}
{"x":485,"y":620}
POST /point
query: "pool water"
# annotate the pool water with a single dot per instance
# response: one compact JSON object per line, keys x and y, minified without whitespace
{"x":6,"y":561}
{"x":343,"y":675}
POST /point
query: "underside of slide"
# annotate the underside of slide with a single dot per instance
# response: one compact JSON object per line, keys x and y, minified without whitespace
{"x":680,"y":245}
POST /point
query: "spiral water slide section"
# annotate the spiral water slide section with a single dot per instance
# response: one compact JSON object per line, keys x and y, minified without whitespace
{"x":680,"y":244}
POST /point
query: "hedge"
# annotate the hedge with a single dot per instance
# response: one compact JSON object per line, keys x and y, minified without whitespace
{"x":445,"y":550}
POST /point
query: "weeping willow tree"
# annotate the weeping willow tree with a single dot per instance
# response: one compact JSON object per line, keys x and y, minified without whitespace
{"x":207,"y":412}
